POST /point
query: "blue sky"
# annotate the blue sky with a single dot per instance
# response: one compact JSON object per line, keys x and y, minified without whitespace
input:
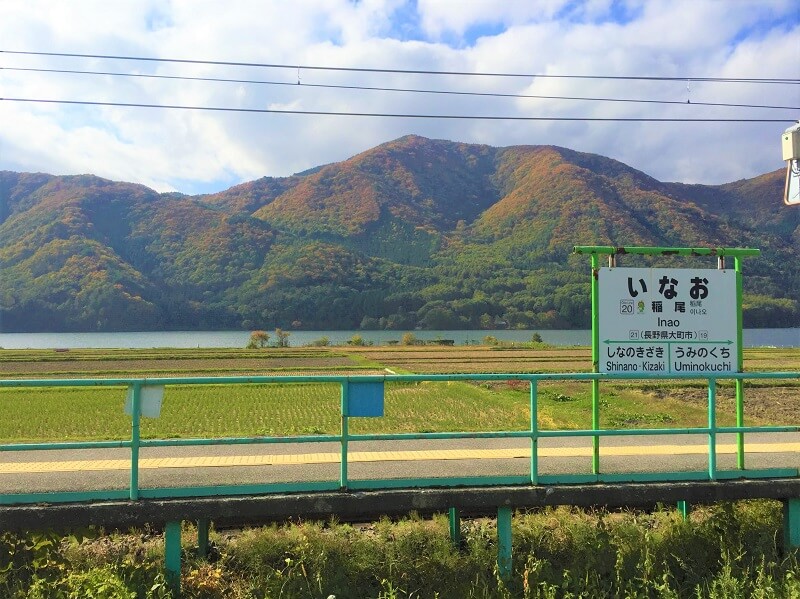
{"x":196,"y":152}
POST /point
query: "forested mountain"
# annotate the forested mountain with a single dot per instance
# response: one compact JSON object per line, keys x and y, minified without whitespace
{"x":413,"y":233}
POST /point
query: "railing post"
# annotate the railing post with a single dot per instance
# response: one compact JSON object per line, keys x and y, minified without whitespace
{"x":136,"y":417}
{"x":203,"y":525}
{"x":791,"y":524}
{"x":712,"y":429}
{"x":504,"y":555}
{"x":455,"y":527}
{"x":172,"y":555}
{"x":344,"y":441}
{"x":737,"y":265}
{"x":595,"y":361}
{"x":534,"y":432}
{"x":740,"y":423}
{"x":596,"y":426}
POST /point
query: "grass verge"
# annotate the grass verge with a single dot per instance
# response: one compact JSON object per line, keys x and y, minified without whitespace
{"x":725,"y":551}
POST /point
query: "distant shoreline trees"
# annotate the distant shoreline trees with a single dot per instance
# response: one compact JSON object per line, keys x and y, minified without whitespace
{"x":260,"y":339}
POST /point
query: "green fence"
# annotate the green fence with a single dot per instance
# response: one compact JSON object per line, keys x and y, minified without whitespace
{"x":352,"y":389}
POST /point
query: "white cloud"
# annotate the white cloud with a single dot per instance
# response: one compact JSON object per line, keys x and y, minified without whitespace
{"x":191,"y":150}
{"x":443,"y":16}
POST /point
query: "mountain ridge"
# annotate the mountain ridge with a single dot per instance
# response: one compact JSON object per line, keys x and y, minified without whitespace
{"x":411,"y":233}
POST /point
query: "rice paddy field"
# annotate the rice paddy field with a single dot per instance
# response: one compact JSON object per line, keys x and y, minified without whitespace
{"x":46,"y":414}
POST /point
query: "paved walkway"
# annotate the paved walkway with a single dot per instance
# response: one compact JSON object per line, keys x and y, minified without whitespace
{"x":81,"y":470}
{"x":227,"y":461}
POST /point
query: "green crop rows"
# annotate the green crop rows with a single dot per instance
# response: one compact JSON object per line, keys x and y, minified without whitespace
{"x":62,"y":414}
{"x":53,"y":414}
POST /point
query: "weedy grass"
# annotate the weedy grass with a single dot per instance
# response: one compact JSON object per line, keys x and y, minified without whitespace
{"x":727,"y":551}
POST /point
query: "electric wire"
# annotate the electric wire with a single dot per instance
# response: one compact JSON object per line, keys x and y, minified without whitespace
{"x":768,"y":80}
{"x":398,"y":115}
{"x":395,"y":89}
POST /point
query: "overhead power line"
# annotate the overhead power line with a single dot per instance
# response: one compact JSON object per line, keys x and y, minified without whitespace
{"x":768,"y":80}
{"x":394,"y":89}
{"x":398,"y":115}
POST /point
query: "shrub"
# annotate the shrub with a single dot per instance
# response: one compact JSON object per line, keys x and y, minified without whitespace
{"x":356,"y":340}
{"x":282,"y":338}
{"x":258,"y":339}
{"x":408,"y":339}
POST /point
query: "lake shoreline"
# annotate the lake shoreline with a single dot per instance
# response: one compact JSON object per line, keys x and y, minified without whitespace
{"x":788,"y":337}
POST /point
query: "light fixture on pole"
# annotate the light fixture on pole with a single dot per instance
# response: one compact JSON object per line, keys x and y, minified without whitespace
{"x":790,"y":144}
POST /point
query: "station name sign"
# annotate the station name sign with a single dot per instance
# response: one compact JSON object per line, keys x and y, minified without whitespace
{"x":667,"y":320}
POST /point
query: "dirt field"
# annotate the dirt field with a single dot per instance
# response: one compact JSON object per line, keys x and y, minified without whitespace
{"x":331,"y":360}
{"x":177,"y":362}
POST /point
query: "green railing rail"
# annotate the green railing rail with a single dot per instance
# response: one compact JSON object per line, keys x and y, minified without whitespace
{"x":344,"y":438}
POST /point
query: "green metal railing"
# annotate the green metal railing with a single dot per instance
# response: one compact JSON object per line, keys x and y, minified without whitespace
{"x":344,"y":438}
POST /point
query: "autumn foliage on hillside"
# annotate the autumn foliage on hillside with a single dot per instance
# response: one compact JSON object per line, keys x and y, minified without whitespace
{"x":413,"y":233}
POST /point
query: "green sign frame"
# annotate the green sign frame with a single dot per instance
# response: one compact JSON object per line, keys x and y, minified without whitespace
{"x":611,"y":252}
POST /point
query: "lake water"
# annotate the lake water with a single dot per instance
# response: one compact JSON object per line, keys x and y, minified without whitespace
{"x":752,"y":338}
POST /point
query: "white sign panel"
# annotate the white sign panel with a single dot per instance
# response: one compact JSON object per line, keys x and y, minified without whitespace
{"x":150,"y":401}
{"x":667,"y":320}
